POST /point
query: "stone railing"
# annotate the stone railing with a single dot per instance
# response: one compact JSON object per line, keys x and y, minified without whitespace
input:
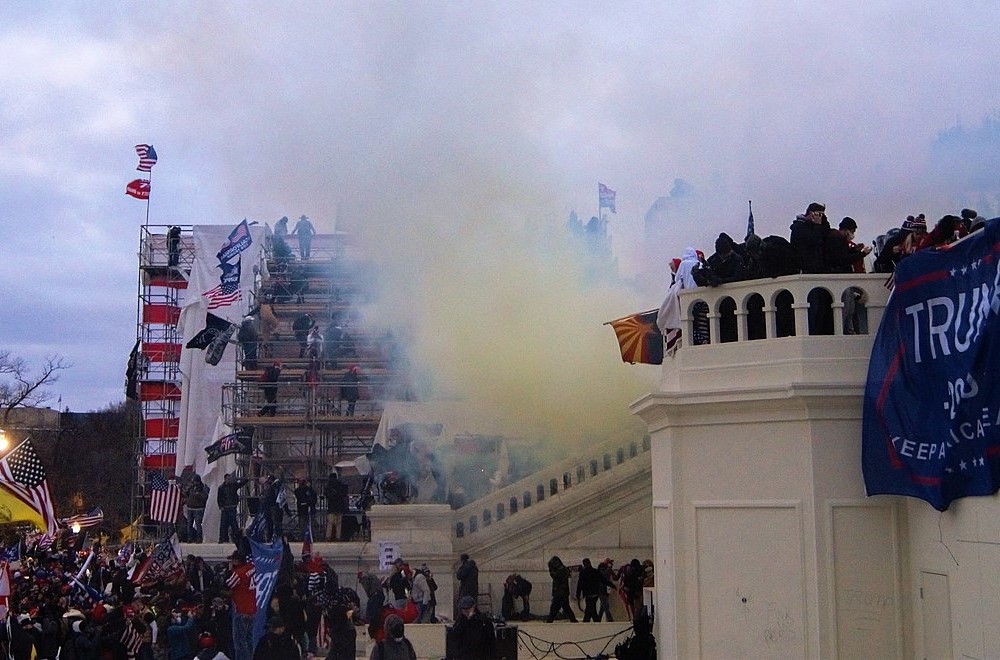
{"x":794,"y":305}
{"x":545,"y":483}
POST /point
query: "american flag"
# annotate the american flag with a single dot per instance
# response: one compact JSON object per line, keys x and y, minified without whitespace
{"x":605,"y":197}
{"x":85,"y":520}
{"x":323,"y":633}
{"x":164,"y":499}
{"x":147,"y":157}
{"x":45,"y":541}
{"x":131,"y":639}
{"x":223,"y":296}
{"x":22,"y":474}
{"x":239,"y":239}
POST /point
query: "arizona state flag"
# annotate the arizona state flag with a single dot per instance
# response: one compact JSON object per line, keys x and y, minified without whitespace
{"x":639,"y":339}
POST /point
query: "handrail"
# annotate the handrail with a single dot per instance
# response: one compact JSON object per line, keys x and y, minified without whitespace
{"x":793,"y":305}
{"x":547,"y":482}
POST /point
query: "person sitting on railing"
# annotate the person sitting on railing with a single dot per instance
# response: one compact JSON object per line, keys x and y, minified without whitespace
{"x":725,"y":265}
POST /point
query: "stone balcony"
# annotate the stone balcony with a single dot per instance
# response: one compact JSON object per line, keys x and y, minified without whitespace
{"x":773,"y":332}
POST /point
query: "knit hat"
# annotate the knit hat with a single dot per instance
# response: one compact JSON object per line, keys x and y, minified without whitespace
{"x":914,"y":224}
{"x":466,"y":602}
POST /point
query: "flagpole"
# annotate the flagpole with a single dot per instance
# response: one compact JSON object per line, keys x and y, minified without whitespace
{"x":150,"y":194}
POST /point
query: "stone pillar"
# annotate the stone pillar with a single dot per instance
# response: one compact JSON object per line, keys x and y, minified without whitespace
{"x":424,"y":535}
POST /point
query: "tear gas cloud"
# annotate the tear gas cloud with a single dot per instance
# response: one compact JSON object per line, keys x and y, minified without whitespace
{"x":454,"y":141}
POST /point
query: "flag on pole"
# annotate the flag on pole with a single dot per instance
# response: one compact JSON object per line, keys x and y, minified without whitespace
{"x":22,"y":475}
{"x":85,"y":520}
{"x":237,"y":442}
{"x":639,"y":339}
{"x":138,"y":188}
{"x":164,"y":499}
{"x":606,"y":197}
{"x":147,"y":157}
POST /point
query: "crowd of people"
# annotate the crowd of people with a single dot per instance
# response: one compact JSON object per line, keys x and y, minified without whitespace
{"x":814,"y":246}
{"x":81,"y":603}
{"x":93,"y":604}
{"x":274,"y":501}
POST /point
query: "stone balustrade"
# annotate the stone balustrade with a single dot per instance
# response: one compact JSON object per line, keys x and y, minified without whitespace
{"x":548,"y":482}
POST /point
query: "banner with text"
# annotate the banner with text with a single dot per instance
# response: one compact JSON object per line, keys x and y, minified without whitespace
{"x":932,"y":400}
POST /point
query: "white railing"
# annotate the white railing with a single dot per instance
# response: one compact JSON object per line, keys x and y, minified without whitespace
{"x":794,"y":305}
{"x":546,"y":483}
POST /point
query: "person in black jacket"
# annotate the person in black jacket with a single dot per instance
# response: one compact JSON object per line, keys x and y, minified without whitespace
{"x":726,"y":265}
{"x":269,"y":383}
{"x":808,"y":237}
{"x":277,"y":644}
{"x":589,"y":585}
{"x":228,"y":498}
{"x":337,"y":504}
{"x":472,"y":637}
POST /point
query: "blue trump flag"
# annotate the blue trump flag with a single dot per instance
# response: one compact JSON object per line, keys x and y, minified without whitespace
{"x":266,"y":562}
{"x":932,"y":400}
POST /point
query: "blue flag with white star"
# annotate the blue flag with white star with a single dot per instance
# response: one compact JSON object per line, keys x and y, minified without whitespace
{"x":931,"y":425}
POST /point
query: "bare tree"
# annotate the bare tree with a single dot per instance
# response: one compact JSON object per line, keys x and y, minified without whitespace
{"x":19,"y":387}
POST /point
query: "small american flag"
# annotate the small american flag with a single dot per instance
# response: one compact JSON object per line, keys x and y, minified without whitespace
{"x":223,"y":296}
{"x":164,"y":499}
{"x":147,"y":157}
{"x":22,"y":474}
{"x":85,"y":520}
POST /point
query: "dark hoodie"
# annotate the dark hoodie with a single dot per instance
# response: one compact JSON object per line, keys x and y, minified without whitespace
{"x":395,"y":646}
{"x":560,"y":578}
{"x":808,"y":239}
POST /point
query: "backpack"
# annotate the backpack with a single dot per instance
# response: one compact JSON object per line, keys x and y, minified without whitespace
{"x":703,"y":275}
{"x":431,"y":584}
{"x":778,"y":257}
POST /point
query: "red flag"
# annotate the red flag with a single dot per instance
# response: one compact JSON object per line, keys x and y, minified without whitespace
{"x":138,"y":189}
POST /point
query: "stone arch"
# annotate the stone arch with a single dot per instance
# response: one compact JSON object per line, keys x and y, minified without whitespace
{"x":820,"y":311}
{"x":756,"y":325}
{"x":728,"y":332}
{"x":698,"y":313}
{"x":784,"y":313}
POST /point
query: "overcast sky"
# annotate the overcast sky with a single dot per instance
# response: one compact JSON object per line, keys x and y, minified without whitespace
{"x":449,"y":136}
